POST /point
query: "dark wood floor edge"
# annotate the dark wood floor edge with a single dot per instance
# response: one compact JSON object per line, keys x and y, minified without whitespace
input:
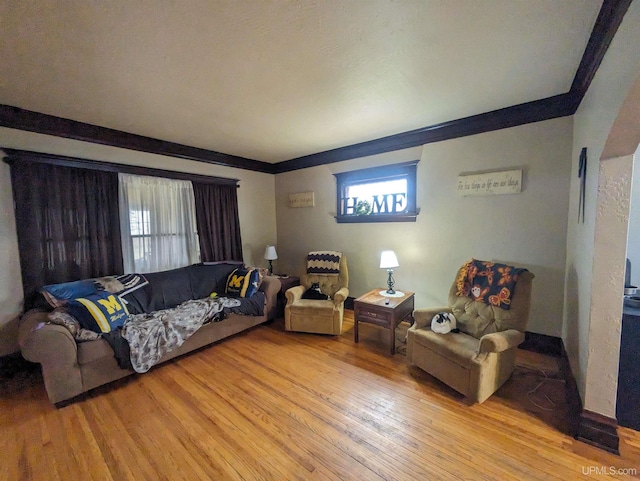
{"x":586,"y":426}
{"x":599,"y":431}
{"x":572,"y":393}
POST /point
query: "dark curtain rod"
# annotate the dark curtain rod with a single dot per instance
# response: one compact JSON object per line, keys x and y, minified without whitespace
{"x":14,"y":155}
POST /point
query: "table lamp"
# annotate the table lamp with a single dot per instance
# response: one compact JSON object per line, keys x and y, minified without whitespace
{"x":271,"y":255}
{"x":388,"y":261}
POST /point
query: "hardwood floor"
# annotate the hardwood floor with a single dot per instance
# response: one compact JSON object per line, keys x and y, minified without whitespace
{"x":268,"y":404}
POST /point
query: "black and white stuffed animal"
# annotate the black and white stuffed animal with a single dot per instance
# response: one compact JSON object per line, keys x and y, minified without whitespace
{"x":444,"y":322}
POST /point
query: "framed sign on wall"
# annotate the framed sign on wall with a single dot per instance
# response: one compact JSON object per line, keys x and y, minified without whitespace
{"x":490,"y":183}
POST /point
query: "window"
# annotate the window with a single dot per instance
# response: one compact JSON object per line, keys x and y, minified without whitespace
{"x":158,"y":223}
{"x":379,"y":194}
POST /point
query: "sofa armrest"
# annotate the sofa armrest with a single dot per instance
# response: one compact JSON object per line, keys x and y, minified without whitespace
{"x":340,"y":296}
{"x":56,"y":350}
{"x":422,"y":317}
{"x":40,"y":340}
{"x":500,"y":341}
{"x":271,"y":287}
{"x":294,"y":294}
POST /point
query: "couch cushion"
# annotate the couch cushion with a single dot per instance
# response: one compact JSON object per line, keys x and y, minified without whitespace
{"x":165,"y":290}
{"x":457,"y":347}
{"x":92,"y":350}
{"x":208,"y":278}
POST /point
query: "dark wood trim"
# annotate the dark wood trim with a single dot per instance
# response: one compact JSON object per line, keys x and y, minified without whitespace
{"x":586,"y":426}
{"x":609,"y":19}
{"x":599,"y":431}
{"x":380,"y":172}
{"x":17,"y":118}
{"x":574,"y":402}
{"x":369,"y":219}
{"x":373,"y":174}
{"x":536,"y":111}
{"x":543,"y":344}
{"x":28,"y":156}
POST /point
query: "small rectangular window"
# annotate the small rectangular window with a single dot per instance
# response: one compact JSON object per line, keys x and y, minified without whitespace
{"x":378,"y":194}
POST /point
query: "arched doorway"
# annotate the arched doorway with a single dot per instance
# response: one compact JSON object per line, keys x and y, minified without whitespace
{"x":609,"y":254}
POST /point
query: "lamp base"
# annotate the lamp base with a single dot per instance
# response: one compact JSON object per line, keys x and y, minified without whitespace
{"x":385,"y":293}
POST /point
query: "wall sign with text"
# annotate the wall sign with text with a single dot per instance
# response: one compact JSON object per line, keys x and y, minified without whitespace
{"x":302,"y":199}
{"x":490,"y":183}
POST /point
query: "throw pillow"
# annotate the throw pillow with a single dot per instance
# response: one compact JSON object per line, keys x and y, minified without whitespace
{"x":100,"y":312}
{"x":242,"y":283}
{"x":61,"y":317}
{"x":58,"y":294}
{"x":262,"y":272}
{"x":444,"y":322}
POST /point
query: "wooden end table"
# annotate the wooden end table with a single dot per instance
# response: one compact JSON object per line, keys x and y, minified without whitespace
{"x":373,"y":308}
{"x":286,"y":282}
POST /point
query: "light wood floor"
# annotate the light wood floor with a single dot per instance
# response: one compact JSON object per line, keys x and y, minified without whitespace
{"x":268,"y":404}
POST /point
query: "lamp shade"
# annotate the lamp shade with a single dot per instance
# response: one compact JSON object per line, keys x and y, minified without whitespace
{"x":270,"y":253}
{"x":388,"y":260}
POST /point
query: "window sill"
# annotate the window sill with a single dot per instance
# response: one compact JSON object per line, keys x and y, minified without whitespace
{"x":364,"y":219}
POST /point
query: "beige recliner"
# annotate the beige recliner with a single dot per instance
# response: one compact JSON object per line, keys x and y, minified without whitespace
{"x":481,"y":357}
{"x":318,"y":316}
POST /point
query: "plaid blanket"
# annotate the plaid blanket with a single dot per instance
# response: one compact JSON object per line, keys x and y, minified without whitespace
{"x":324,"y":262}
{"x":488,"y":282}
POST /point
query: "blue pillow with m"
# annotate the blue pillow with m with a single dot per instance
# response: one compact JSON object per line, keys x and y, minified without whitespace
{"x":99,"y":312}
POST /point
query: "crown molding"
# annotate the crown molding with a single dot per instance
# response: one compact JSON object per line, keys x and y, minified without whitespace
{"x":21,"y":119}
{"x":536,"y":111}
{"x":609,"y":19}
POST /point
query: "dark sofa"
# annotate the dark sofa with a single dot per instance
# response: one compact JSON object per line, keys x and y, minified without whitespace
{"x":70,"y":368}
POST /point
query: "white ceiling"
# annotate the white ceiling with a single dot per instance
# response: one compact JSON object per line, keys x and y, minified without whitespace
{"x":273,"y":80}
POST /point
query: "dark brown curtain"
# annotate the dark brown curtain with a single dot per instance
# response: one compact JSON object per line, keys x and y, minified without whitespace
{"x":67,"y":222}
{"x":218,"y":222}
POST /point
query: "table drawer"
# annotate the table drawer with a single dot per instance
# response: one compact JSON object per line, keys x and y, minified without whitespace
{"x":369,"y":315}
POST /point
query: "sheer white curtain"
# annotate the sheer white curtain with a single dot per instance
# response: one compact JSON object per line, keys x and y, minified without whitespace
{"x":158,"y":223}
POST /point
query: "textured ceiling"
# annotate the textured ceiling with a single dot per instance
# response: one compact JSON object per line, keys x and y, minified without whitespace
{"x":273,"y":80}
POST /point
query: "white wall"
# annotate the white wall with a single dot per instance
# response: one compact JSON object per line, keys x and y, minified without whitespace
{"x":592,"y":125}
{"x":610,"y":243}
{"x":255,"y":203}
{"x":526,"y":229}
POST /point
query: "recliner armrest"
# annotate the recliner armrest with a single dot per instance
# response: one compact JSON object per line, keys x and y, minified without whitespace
{"x":294,"y":294}
{"x":340,"y":296}
{"x":500,"y":341}
{"x":424,"y":315}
